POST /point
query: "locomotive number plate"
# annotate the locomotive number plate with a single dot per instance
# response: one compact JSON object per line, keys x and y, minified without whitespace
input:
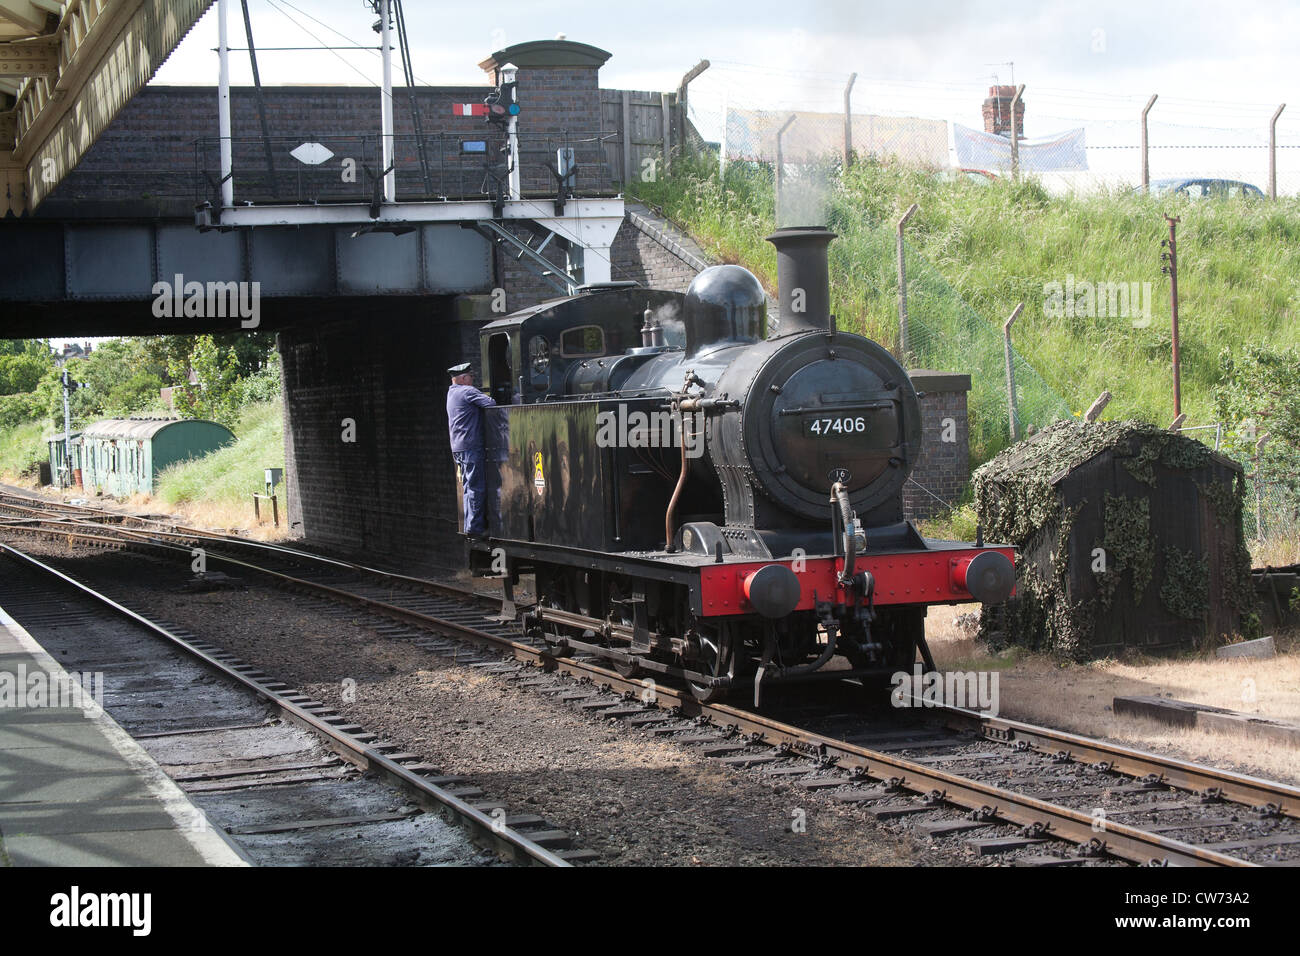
{"x":835,"y":426}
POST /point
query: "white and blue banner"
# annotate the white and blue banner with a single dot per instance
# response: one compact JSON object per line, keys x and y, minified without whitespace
{"x":976,"y":149}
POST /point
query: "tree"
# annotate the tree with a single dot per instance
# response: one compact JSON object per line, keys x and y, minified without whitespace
{"x":215,"y":394}
{"x":35,"y":348}
{"x":1260,"y":392}
{"x":21,"y":373}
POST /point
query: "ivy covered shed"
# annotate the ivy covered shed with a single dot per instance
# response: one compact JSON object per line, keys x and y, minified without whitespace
{"x":1129,"y":536}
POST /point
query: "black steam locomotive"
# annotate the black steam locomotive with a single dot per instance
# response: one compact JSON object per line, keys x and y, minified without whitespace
{"x":700,"y":500}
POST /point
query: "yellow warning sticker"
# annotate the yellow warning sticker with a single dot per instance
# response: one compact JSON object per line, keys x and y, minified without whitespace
{"x":539,"y":478}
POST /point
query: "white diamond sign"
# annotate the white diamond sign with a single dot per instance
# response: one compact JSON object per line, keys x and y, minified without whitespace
{"x":311,"y":154}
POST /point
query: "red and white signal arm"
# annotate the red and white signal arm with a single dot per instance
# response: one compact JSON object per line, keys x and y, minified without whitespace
{"x":469,"y":109}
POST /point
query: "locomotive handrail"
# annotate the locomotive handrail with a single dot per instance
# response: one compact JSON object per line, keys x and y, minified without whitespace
{"x":849,"y":407}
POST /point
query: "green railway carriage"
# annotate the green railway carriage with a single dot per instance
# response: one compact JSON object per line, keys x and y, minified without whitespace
{"x":64,"y":469}
{"x":124,"y":456}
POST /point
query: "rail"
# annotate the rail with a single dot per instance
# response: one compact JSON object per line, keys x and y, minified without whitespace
{"x":991,"y":802}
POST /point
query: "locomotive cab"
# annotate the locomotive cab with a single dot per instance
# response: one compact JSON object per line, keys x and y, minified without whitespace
{"x":528,"y":356}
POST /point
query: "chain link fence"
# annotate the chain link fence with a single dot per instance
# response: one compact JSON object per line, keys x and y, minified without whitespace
{"x":1270,"y":516}
{"x":1071,"y":140}
{"x":941,"y":325}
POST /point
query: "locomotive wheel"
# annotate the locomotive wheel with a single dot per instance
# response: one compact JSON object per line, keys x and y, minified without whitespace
{"x":553,"y":648}
{"x":630,"y":669}
{"x":717,"y":659}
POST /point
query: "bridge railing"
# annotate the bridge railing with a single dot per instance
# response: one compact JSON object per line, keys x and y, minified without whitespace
{"x":344,"y":168}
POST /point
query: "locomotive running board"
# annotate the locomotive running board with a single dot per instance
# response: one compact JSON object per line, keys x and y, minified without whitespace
{"x":658,"y":667}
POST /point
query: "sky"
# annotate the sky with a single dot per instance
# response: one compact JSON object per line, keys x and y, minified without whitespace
{"x":1213,"y":62}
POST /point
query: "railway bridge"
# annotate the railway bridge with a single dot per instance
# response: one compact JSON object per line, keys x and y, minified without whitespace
{"x":374,"y":244}
{"x":375,"y":230}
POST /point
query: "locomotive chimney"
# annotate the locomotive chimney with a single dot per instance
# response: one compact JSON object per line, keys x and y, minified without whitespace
{"x":803,"y":278}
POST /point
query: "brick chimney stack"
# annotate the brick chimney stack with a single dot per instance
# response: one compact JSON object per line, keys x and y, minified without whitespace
{"x":997,"y":112}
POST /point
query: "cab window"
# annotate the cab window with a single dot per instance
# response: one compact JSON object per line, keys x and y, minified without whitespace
{"x":582,"y":341}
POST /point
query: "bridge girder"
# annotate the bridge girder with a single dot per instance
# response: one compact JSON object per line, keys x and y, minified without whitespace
{"x":66,"y":69}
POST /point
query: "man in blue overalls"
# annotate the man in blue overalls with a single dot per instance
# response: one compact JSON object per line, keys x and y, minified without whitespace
{"x":465,"y":405}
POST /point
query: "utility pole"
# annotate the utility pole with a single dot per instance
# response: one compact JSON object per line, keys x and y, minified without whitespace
{"x":1170,"y":268}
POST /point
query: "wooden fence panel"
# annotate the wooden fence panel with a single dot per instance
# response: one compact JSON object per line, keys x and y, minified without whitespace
{"x":638,"y":120}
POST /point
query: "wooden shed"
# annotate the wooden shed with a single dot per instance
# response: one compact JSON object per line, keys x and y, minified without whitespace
{"x":124,"y":456}
{"x":1129,"y":537}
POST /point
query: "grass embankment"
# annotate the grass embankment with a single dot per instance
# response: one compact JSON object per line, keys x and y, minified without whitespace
{"x":975,"y":251}
{"x":215,"y":491}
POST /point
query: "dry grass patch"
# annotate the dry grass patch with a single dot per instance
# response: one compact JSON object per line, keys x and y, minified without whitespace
{"x":1077,"y":697}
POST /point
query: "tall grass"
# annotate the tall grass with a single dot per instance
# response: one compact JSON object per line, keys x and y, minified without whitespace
{"x":21,"y":448}
{"x":975,"y":251}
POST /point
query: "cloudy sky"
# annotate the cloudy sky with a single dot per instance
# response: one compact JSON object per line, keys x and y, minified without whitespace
{"x":1216,"y":63}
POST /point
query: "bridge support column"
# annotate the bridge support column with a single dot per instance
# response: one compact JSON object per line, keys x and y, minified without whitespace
{"x":368,"y":463}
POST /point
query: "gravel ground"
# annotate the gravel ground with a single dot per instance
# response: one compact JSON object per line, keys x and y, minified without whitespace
{"x":632,"y":798}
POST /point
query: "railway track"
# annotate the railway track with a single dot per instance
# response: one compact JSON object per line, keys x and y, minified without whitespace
{"x":1002,"y":786}
{"x":305,"y":747}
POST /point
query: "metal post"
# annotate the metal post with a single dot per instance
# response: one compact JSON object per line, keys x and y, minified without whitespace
{"x":1146,"y":166}
{"x":261,"y":103}
{"x":691,"y":74}
{"x":722,"y":145}
{"x":902,"y":286}
{"x":67,"y":430}
{"x":509,"y":74}
{"x":1011,"y":374}
{"x":1259,"y":488}
{"x":848,"y":122}
{"x":1272,"y":153}
{"x":386,"y":103}
{"x":223,"y":107}
{"x":1171,"y":270}
{"x":780,"y":165}
{"x":667,"y":138}
{"x":1015,"y":134}
{"x":1094,"y":411}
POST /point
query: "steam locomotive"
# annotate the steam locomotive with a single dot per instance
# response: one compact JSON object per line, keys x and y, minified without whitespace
{"x":697,"y":499}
